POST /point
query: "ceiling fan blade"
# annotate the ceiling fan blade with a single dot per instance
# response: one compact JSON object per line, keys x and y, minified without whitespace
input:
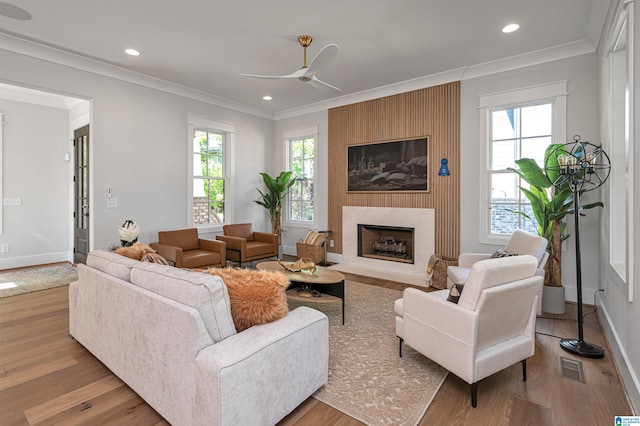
{"x":316,"y":82}
{"x":322,"y":59}
{"x":295,"y":74}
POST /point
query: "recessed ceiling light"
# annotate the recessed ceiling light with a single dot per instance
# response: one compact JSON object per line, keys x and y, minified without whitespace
{"x":267,"y":98}
{"x":132,"y":52}
{"x":510,"y":28}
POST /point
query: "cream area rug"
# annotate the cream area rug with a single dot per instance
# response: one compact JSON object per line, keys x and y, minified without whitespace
{"x":367,"y":378}
{"x":28,"y":280}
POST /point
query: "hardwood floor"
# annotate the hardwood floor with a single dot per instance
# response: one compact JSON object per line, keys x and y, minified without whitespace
{"x":48,"y":378}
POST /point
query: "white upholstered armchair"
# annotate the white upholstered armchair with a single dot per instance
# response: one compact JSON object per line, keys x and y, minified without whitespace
{"x":491,"y":327}
{"x":521,"y":242}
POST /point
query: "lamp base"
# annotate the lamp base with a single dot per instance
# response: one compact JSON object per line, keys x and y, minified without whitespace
{"x":582,"y":348}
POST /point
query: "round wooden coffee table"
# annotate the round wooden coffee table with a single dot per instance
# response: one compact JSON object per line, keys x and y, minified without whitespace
{"x":327,"y":283}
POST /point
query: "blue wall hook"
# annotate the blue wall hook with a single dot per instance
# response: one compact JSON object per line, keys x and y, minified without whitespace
{"x":444,"y":168}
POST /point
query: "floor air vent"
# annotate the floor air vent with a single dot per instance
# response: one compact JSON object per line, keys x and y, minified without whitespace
{"x":571,"y":369}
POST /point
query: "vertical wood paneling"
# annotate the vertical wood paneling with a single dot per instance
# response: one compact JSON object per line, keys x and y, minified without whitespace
{"x":432,"y":112}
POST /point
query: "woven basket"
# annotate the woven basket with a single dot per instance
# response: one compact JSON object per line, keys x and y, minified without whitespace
{"x":313,"y":252}
{"x":437,"y":270}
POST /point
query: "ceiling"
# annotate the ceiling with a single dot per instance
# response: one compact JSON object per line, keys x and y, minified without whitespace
{"x":206,"y":45}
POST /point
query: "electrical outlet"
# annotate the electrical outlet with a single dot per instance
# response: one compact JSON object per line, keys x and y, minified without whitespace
{"x":331,"y":243}
{"x":112,"y":203}
{"x":5,"y":248}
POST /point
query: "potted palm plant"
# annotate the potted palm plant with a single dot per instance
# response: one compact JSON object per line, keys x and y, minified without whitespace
{"x":550,"y":204}
{"x":273,"y":198}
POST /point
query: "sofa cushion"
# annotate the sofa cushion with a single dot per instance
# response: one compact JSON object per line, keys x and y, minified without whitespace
{"x":199,"y":258}
{"x":458,"y":274}
{"x":241,"y":230}
{"x":313,"y":238}
{"x":112,"y":264}
{"x":257,"y":248}
{"x":257,"y":297}
{"x":154,"y":258}
{"x":186,"y":239}
{"x":205,"y":293}
{"x":502,"y":253}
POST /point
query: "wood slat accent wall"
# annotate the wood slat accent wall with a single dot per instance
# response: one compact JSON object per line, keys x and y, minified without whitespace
{"x":432,"y":112}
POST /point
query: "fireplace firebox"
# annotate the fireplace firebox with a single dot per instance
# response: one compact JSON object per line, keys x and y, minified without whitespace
{"x":391,"y":243}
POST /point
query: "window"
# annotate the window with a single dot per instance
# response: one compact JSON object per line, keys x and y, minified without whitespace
{"x":208,"y":177}
{"x":621,"y":134}
{"x":301,"y":158}
{"x":515,"y":132}
{"x":515,"y":124}
{"x":209,"y":196}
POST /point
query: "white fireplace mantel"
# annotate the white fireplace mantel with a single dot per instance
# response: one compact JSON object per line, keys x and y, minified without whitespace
{"x":421,"y":220}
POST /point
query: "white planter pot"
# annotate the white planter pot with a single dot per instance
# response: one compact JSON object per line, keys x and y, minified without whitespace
{"x":553,"y":299}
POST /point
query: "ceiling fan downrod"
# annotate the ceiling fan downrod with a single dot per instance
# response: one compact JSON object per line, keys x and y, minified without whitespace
{"x":305,"y":41}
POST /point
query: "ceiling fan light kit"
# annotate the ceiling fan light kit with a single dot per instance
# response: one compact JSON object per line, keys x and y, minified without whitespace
{"x":307,"y":73}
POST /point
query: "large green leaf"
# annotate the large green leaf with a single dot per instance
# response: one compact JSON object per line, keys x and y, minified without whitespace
{"x":552,"y":167}
{"x":536,"y":197}
{"x":532,"y":173}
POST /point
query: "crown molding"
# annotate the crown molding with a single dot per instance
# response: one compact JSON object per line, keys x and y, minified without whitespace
{"x":51,"y":54}
{"x":536,"y":57}
{"x":58,"y":56}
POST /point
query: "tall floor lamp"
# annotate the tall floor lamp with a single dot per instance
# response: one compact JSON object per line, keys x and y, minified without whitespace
{"x":584,"y":167}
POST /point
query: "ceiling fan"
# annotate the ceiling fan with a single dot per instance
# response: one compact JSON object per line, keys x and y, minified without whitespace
{"x":307,"y":74}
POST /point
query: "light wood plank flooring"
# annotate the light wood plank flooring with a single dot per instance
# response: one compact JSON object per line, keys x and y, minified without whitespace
{"x":47,"y":378}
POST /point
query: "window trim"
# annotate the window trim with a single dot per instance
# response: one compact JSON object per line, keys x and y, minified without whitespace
{"x":213,"y":126}
{"x":556,"y":93}
{"x":287,"y":136}
{"x":623,"y":273}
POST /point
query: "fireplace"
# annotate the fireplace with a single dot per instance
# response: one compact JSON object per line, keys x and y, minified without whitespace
{"x":420,"y":220}
{"x":391,"y":243}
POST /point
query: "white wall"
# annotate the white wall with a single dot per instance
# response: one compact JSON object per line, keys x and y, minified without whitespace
{"x":619,"y":316}
{"x":139,"y":148}
{"x":581,"y":72}
{"x":36,"y":139}
{"x":291,"y":234}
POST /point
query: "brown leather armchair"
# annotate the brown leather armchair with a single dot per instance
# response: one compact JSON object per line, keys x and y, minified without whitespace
{"x":244,"y":245}
{"x":186,"y":250}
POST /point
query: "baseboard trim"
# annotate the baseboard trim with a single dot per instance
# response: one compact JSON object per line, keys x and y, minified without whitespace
{"x":38,"y":259}
{"x":627,"y":374}
{"x":571,"y":294}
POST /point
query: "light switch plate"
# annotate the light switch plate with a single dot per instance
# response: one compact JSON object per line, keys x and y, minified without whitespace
{"x":112,"y":203}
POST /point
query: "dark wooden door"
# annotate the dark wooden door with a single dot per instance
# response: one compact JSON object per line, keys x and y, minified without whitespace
{"x":81,"y":194}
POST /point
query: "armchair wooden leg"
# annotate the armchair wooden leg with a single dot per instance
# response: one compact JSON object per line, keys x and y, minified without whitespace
{"x":524,"y":370}
{"x":400,"y":345}
{"x":474,"y":394}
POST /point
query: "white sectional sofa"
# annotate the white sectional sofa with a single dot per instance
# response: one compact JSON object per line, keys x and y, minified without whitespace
{"x":168,"y":333}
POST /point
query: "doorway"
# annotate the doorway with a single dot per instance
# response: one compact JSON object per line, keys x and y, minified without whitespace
{"x":81,"y":194}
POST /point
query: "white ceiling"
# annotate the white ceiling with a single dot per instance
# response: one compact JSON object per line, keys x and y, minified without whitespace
{"x":206,"y":45}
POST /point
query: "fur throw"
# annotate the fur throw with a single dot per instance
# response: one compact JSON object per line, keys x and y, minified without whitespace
{"x":257,"y":297}
{"x":154,"y":258}
{"x":136,"y":251}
